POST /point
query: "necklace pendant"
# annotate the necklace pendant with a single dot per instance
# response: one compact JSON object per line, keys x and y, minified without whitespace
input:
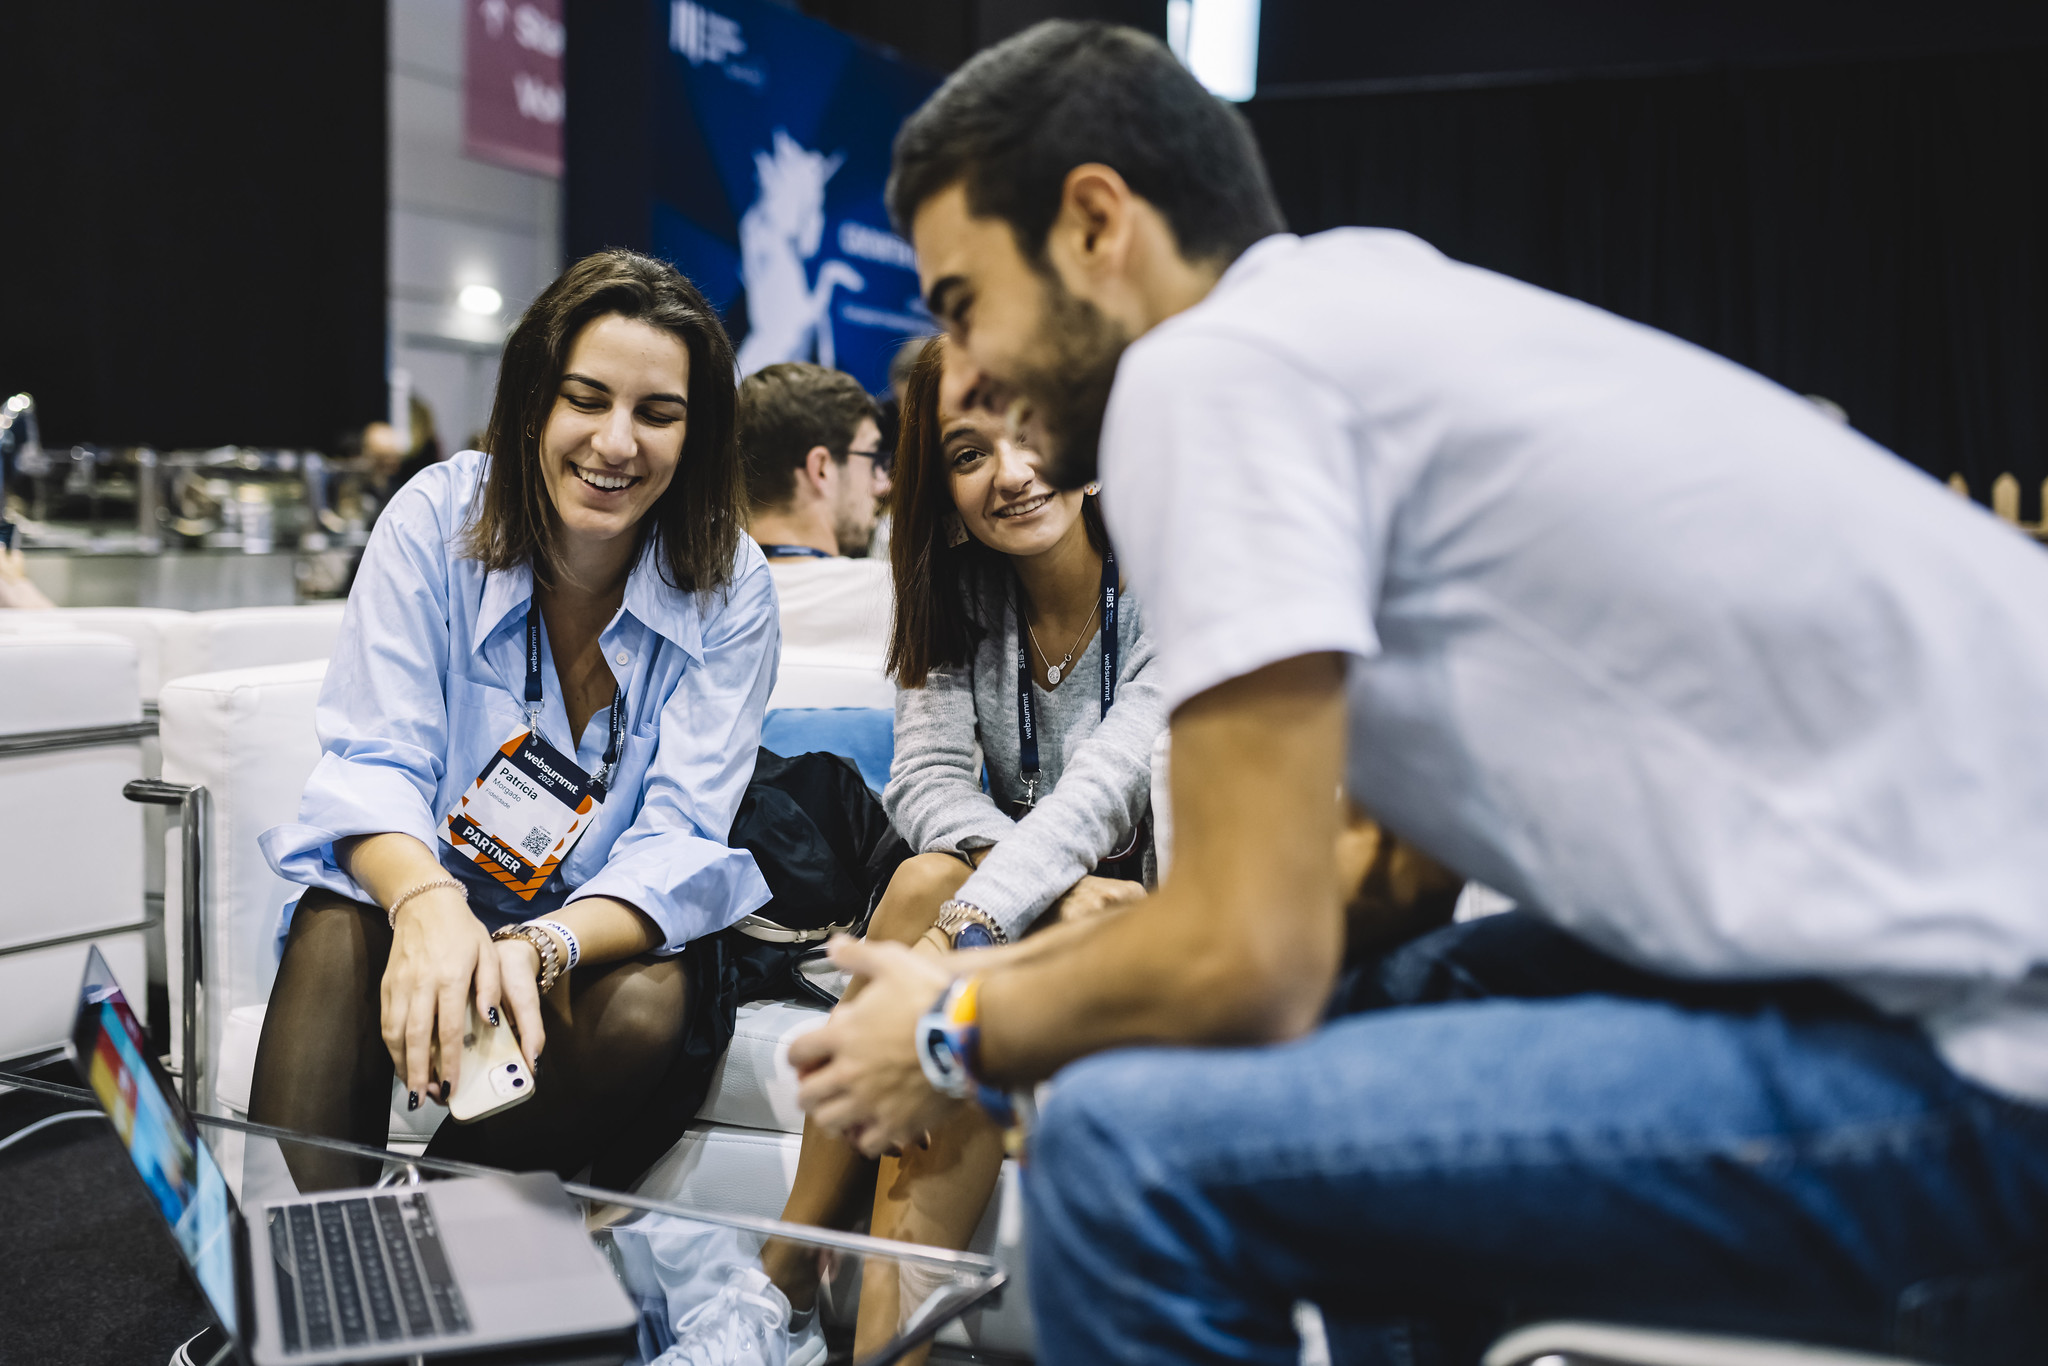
{"x":1052,"y":676}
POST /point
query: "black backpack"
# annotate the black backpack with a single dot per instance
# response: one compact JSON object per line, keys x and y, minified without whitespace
{"x":821,"y":838}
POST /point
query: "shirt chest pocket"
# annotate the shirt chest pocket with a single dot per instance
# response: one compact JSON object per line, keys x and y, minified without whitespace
{"x":482,"y":711}
{"x":643,"y":741}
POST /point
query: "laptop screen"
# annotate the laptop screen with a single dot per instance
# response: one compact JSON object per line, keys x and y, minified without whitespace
{"x":162,"y":1141}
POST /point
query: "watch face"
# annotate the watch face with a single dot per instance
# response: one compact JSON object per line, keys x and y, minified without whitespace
{"x":973,"y":936}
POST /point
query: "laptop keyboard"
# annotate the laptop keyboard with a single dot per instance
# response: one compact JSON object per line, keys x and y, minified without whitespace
{"x":359,"y":1271}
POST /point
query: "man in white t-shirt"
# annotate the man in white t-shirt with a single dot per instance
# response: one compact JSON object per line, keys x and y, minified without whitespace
{"x":1748,"y":716}
{"x":816,"y":475}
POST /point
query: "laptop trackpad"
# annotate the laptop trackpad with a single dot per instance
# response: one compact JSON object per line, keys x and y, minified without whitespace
{"x":519,"y":1252}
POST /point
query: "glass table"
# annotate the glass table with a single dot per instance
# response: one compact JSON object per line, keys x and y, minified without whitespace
{"x":645,"y":1241}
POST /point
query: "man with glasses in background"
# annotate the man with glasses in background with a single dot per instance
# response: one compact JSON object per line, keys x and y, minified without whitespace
{"x":816,"y":478}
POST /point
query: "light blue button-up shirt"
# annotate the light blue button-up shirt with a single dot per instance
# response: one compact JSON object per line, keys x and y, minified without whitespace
{"x":428,"y":678}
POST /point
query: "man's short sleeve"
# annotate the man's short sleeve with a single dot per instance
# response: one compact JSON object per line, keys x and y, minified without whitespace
{"x":1233,"y":486}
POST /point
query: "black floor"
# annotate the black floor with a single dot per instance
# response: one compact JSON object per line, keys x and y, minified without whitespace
{"x":88,"y":1272}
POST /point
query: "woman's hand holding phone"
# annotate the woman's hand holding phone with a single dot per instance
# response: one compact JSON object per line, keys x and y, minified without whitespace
{"x":441,"y":958}
{"x":519,"y":994}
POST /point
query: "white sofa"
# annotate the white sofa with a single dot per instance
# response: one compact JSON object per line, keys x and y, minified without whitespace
{"x":246,"y":735}
{"x":171,"y":644}
{"x":71,"y":733}
{"x":165,"y":644}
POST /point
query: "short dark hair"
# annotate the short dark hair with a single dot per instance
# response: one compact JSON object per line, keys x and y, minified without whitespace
{"x":785,"y":410}
{"x":697,"y":518}
{"x":943,"y":581}
{"x":1013,"y":121}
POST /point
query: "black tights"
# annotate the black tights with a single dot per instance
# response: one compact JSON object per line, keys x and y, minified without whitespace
{"x":322,"y":1067}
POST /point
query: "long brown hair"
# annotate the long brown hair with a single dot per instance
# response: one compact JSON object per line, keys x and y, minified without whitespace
{"x":941,"y":588}
{"x":697,"y":519}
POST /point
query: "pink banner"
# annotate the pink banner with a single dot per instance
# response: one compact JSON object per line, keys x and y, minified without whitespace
{"x":512,"y":97}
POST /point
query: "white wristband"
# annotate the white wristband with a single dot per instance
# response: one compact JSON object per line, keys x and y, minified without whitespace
{"x":567,"y":936}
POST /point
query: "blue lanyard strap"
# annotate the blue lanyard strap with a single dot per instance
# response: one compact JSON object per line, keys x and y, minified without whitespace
{"x":1027,"y":709}
{"x":795,"y":552}
{"x":616,"y":722}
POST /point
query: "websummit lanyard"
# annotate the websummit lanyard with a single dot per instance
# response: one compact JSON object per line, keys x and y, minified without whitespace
{"x":532,"y":803}
{"x":1027,"y":710}
{"x":617,"y":720}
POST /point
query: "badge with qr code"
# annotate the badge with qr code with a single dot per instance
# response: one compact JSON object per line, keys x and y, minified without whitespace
{"x":524,"y":813}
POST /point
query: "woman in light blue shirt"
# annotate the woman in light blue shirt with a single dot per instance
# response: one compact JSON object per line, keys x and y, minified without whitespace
{"x":591,"y":574}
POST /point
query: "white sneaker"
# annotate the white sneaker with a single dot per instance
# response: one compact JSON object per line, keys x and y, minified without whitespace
{"x":746,"y":1323}
{"x":206,"y":1348}
{"x":807,"y":1343}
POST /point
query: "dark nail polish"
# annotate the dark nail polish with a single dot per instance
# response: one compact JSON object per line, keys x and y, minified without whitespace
{"x":493,"y":1013}
{"x":445,"y":1089}
{"x":412,"y":1100}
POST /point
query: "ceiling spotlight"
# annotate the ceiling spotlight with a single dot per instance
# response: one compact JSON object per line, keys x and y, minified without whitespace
{"x":480,"y":299}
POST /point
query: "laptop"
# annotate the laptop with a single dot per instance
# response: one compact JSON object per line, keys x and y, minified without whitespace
{"x":451,"y":1267}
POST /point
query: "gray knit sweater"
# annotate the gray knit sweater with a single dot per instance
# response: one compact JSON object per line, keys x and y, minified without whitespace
{"x":1095,"y":771}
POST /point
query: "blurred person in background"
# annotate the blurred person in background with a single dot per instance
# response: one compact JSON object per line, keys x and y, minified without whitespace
{"x":17,"y":590}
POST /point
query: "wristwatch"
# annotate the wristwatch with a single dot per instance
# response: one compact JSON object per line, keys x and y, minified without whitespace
{"x":543,"y":944}
{"x":949,"y":1051}
{"x":947,"y":1037}
{"x":967,"y":926}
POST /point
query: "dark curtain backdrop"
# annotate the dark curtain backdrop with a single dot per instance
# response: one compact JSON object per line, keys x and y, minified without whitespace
{"x":193,"y":244}
{"x":1873,"y":232}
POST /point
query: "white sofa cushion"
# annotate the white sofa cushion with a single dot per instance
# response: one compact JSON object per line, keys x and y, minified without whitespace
{"x":54,"y":676}
{"x":249,"y":637}
{"x":246,"y":736}
{"x":755,"y":1087}
{"x":816,"y":678}
{"x":78,"y":842}
{"x":39,"y":989}
{"x":146,"y":628}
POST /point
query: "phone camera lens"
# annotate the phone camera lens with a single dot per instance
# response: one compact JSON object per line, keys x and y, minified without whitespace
{"x":511,"y":1067}
{"x":518,"y":1082}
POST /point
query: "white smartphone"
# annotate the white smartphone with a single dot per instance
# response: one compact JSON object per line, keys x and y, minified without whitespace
{"x":494,"y":1073}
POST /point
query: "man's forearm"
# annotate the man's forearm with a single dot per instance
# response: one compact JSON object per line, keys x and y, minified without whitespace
{"x":1241,"y":944}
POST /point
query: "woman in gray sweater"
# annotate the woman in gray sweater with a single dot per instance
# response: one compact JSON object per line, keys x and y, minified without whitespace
{"x":985,"y":555}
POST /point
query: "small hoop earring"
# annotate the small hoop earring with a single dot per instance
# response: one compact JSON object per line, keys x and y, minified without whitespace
{"x":1091,"y":488}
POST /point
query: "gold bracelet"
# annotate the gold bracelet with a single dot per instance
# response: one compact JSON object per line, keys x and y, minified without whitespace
{"x":391,"y":916}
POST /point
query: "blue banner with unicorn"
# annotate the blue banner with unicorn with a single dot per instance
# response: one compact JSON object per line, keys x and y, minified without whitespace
{"x":771,"y":148}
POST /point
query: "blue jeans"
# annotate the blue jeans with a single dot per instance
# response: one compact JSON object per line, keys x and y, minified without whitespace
{"x":1516,"y":1128}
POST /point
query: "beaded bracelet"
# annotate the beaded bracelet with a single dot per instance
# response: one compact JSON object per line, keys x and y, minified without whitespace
{"x":391,"y":916}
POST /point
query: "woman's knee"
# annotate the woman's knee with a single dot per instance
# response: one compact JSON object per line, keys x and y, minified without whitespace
{"x":911,"y":906}
{"x":334,"y":941}
{"x":635,"y":1012}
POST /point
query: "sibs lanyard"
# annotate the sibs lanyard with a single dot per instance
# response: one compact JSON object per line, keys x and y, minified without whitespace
{"x":795,"y":552}
{"x":617,"y":721}
{"x":1027,"y":710}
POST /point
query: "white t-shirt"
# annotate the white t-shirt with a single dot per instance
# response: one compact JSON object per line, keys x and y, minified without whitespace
{"x":1637,"y":637}
{"x":835,"y":607}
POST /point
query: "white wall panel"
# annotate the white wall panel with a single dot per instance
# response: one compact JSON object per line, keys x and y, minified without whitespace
{"x":454,"y":222}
